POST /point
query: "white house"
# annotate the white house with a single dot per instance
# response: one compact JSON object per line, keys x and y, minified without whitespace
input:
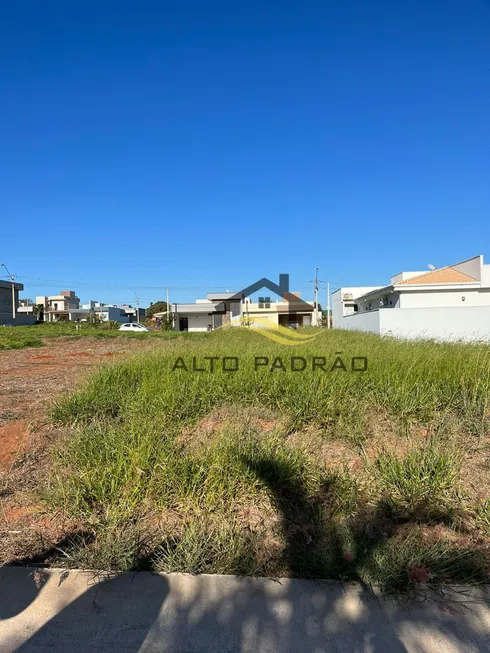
{"x":66,"y":307}
{"x":450,"y":303}
{"x":218,"y":309}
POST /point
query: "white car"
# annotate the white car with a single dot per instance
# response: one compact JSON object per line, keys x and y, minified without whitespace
{"x":134,"y":327}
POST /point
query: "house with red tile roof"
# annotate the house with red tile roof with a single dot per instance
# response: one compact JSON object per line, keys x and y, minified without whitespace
{"x":449,"y":303}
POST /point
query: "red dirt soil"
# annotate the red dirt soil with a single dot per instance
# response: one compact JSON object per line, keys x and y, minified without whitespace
{"x":12,"y":440}
{"x":29,"y":382}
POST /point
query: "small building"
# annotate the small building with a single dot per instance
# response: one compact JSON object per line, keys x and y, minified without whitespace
{"x":9,"y":305}
{"x":450,"y":303}
{"x":104,"y":312}
{"x":132,"y":313}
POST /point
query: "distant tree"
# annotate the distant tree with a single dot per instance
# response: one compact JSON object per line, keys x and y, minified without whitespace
{"x":94,"y":318}
{"x":157,"y":307}
{"x":38,"y":312}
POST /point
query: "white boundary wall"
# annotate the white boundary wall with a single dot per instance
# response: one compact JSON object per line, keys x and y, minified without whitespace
{"x":360,"y":322}
{"x":468,"y":323}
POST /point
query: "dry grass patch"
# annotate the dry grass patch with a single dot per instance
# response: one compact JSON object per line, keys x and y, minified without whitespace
{"x":276,"y":473}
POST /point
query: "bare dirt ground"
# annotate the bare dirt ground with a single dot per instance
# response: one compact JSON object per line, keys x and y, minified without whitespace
{"x":29,"y":381}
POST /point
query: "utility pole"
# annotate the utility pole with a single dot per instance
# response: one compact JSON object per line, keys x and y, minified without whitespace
{"x":328,"y":305}
{"x":12,"y":279}
{"x":137,"y":308}
{"x":315,"y":283}
{"x":168,"y":311}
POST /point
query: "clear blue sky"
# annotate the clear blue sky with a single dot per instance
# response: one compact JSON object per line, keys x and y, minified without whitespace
{"x":192,"y":144}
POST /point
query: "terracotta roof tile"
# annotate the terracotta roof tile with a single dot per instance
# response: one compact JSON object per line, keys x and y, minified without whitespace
{"x":443,"y":275}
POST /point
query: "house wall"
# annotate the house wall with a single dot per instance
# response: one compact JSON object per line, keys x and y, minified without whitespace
{"x":260,"y":315}
{"x":338,"y":311}
{"x":360,"y":322}
{"x":472,"y":267}
{"x":403,"y":276}
{"x":58,"y":304}
{"x":485,"y":276}
{"x":196,"y":322}
{"x":374,"y":303}
{"x":466,"y":323}
{"x":21,"y":319}
{"x":337,"y":308}
{"x":114,"y":314}
{"x":448,"y":298}
{"x":6,"y":317}
{"x":6,"y":304}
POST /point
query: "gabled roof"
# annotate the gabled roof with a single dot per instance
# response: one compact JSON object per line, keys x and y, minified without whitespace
{"x":441,"y":276}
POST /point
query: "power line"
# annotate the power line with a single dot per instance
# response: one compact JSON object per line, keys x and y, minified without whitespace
{"x":86,"y":284}
{"x":31,"y":282}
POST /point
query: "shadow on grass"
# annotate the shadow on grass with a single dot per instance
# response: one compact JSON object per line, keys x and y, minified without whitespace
{"x":378,"y":544}
{"x":148,"y":612}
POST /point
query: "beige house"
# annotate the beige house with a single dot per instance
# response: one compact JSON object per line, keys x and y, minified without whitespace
{"x":279,"y":311}
{"x":58,"y":307}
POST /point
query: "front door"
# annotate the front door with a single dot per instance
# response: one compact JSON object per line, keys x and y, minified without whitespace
{"x":184,"y":324}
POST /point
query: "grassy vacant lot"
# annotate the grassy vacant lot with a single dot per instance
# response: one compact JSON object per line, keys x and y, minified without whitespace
{"x":34,"y":336}
{"x":380,"y":475}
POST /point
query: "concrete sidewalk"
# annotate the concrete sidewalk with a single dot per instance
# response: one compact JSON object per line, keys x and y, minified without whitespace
{"x":57,"y":611}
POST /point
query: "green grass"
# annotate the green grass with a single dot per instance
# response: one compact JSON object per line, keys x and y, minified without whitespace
{"x":16,"y":341}
{"x":414,"y":382}
{"x":424,"y":481}
{"x":29,"y":335}
{"x":160,"y":490}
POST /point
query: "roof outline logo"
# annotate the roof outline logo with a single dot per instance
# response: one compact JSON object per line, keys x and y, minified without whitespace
{"x":266,"y":327}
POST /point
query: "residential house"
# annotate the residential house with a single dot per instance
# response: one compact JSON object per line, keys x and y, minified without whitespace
{"x":104,"y":312}
{"x":206,"y":314}
{"x":26,"y":307}
{"x":60,"y":307}
{"x":450,"y":303}
{"x":9,"y":305}
{"x":66,"y":307}
{"x":132,"y":313}
{"x":282,"y":307}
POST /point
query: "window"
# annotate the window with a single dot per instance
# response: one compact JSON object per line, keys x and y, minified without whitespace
{"x":350,"y":309}
{"x":264,"y":302}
